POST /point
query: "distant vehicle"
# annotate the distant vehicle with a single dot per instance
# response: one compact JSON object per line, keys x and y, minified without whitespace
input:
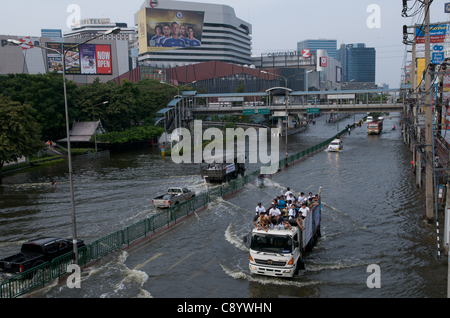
{"x":174,"y":196}
{"x":369,"y":119}
{"x":336,"y":145}
{"x":222,"y":172}
{"x":375,"y":127}
{"x":36,"y":252}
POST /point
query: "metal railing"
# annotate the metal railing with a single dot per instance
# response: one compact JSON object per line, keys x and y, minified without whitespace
{"x":39,"y":276}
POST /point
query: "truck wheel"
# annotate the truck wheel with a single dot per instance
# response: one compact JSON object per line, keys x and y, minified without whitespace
{"x":300,"y":266}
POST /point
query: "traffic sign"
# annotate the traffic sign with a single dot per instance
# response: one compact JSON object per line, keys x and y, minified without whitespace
{"x":437,"y":58}
{"x":249,"y":111}
{"x":264,"y":111}
{"x":312,"y":110}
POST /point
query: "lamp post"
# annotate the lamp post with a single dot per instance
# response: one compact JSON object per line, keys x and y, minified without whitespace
{"x":93,"y":117}
{"x":286,"y":105}
{"x":115,"y":30}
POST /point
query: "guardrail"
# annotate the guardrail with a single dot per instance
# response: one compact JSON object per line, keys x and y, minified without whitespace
{"x":36,"y":277}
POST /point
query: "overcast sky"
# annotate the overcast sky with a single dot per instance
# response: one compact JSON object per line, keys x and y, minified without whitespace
{"x":277,"y":25}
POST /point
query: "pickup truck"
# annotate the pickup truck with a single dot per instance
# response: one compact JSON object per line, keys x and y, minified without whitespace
{"x":35,"y":253}
{"x":174,"y":196}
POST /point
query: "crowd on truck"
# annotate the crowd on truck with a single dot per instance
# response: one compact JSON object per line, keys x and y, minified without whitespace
{"x":285,"y":211}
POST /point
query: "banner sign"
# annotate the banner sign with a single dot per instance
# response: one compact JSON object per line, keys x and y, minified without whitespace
{"x":87,"y":59}
{"x":164,"y":29}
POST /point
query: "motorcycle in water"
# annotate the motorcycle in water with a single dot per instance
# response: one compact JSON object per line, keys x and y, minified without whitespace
{"x":260,"y":181}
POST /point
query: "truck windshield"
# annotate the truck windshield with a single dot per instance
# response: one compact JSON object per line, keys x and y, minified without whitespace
{"x":271,"y":243}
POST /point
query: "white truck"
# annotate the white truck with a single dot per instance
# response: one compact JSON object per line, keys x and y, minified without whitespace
{"x":279,"y":252}
{"x":174,"y":196}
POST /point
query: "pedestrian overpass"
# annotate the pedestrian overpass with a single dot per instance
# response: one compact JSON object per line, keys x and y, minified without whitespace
{"x":273,"y":102}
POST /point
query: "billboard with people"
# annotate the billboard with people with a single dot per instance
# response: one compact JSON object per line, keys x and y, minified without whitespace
{"x":164,"y":29}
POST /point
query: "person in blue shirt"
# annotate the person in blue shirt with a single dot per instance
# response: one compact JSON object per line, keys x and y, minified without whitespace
{"x":166,"y":33}
{"x":155,"y":40}
{"x":191,"y":41}
{"x":174,"y":40}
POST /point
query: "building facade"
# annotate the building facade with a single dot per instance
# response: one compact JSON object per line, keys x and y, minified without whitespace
{"x":313,"y":45}
{"x":358,"y":63}
{"x":218,"y":35}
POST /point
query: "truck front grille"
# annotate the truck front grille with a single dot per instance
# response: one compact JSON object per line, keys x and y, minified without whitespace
{"x":269,"y":262}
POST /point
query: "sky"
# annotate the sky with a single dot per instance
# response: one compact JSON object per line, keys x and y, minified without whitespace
{"x":277,"y":25}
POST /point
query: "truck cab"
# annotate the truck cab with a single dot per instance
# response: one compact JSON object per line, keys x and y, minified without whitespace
{"x":276,"y":252}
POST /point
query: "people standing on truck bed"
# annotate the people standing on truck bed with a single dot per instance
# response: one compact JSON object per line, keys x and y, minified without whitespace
{"x":286,"y":210}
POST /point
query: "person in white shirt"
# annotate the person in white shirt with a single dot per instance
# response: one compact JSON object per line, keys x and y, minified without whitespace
{"x":292,"y":214}
{"x":275,"y":215}
{"x":290,"y":197}
{"x":287,"y":192}
{"x":260,"y":210}
{"x":304,"y":210}
{"x":301,"y":198}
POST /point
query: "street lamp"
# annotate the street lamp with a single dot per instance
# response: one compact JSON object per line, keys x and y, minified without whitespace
{"x":115,"y":30}
{"x":93,"y":117}
{"x":286,"y":104}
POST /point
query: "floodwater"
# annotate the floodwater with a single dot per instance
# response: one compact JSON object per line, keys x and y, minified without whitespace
{"x":372,"y":213}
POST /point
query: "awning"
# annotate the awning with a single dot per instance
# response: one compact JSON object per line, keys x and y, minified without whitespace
{"x":174,"y":102}
{"x":165,"y":110}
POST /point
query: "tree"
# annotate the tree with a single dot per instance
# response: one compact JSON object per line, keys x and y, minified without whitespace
{"x":19,"y":131}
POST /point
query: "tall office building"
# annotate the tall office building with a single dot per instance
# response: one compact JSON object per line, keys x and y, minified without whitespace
{"x":358,"y":63}
{"x":179,"y":33}
{"x":313,"y":45}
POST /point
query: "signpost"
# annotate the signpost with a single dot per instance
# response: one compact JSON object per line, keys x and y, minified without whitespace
{"x":263,"y":111}
{"x":312,"y":110}
{"x":249,"y":111}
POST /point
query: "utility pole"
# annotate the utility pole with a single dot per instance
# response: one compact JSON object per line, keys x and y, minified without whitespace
{"x":428,"y":119}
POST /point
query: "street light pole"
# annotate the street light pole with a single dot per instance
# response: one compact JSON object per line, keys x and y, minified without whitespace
{"x":93,"y":117}
{"x":286,"y":106}
{"x":115,"y":30}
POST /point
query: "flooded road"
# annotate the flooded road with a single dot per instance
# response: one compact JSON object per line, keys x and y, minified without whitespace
{"x":372,"y":214}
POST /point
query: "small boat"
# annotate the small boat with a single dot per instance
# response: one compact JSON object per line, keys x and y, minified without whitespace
{"x":336,"y":145}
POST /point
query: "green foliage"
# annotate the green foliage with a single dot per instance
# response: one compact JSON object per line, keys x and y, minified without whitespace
{"x":45,"y":94}
{"x":129,"y":104}
{"x":19,"y":131}
{"x":139,"y":133}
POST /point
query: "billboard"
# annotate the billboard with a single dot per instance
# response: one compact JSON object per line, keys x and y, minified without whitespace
{"x":87,"y":59}
{"x":165,"y":29}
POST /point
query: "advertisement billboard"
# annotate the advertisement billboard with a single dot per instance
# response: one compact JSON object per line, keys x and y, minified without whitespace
{"x":87,"y":59}
{"x":164,"y":29}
